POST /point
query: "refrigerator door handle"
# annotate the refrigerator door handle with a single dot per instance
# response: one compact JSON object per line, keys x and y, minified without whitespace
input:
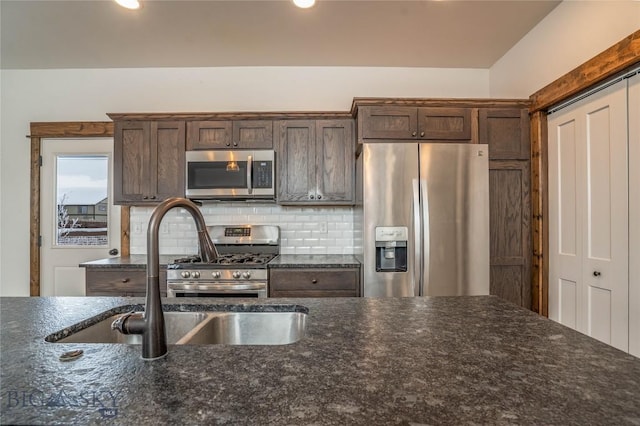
{"x":426,"y":237}
{"x":417,"y":249}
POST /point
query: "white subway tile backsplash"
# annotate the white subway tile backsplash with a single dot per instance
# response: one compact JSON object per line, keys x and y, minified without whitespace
{"x":300,"y":227}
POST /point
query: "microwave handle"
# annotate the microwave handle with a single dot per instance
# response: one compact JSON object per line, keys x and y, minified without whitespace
{"x":249,"y":174}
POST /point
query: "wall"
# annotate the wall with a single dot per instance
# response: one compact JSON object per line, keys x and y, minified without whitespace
{"x":571,"y":34}
{"x":303,"y":230}
{"x":81,"y":95}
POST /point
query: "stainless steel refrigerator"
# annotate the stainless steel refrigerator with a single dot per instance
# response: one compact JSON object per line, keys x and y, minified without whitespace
{"x":422,"y":219}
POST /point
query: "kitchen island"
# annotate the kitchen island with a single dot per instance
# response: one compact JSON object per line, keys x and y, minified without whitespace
{"x":448,"y":360}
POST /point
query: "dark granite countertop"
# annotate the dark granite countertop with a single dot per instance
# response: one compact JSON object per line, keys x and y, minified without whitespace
{"x":364,"y":361}
{"x":134,"y":261}
{"x":314,"y":261}
{"x":139,"y":261}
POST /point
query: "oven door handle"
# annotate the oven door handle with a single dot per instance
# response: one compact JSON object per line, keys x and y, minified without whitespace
{"x":250,"y":174}
{"x":195,"y":287}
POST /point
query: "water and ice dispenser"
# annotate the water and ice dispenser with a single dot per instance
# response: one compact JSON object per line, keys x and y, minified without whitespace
{"x":391,"y":248}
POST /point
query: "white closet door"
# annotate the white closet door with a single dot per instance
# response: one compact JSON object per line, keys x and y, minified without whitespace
{"x":634,"y":215}
{"x":588,"y":201}
{"x":565,"y":219}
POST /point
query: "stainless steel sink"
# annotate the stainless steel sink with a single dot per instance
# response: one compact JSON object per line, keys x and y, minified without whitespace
{"x":177,"y":324}
{"x":204,"y":327}
{"x":248,"y":328}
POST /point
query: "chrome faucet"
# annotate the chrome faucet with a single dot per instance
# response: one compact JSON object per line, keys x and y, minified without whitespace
{"x":151,"y":323}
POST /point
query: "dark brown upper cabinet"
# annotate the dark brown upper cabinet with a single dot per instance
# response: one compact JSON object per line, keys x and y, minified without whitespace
{"x":435,"y":124}
{"x":224,"y":134}
{"x":149,"y":161}
{"x":315,"y":161}
{"x":506,"y":131}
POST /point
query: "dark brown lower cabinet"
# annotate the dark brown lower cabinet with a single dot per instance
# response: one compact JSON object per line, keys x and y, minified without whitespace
{"x":120,"y":282}
{"x":320,"y":282}
{"x":510,"y":230}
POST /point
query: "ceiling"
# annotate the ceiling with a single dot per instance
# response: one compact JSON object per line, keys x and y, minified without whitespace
{"x":419,"y":33}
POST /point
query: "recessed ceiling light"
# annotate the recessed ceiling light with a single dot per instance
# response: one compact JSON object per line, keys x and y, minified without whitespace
{"x":129,"y":4}
{"x":304,"y":4}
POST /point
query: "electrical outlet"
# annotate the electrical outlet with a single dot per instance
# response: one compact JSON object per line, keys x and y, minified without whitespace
{"x":323,"y":227}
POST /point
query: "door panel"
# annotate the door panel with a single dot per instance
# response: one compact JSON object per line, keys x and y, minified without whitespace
{"x":296,"y":152}
{"x":454,"y":182}
{"x":605,"y":266}
{"x":386,"y":205}
{"x":335,"y":159}
{"x":568,"y":313}
{"x":78,"y":221}
{"x":588,"y":226}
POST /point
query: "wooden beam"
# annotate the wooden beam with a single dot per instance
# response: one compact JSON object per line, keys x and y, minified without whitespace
{"x":204,"y":116}
{"x":72,"y":129}
{"x":615,"y":59}
{"x":539,"y":213}
{"x":34,"y":228}
{"x":125,"y":228}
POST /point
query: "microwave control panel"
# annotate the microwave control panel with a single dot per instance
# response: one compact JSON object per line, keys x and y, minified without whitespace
{"x":262,"y":174}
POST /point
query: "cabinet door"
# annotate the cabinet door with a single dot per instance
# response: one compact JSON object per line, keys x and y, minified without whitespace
{"x":213,"y":134}
{"x":120,"y":282}
{"x":506,"y":131}
{"x":444,"y":124}
{"x":131,"y":165}
{"x":388,"y":122}
{"x":168,"y":157}
{"x":293,"y":282}
{"x":335,"y":161}
{"x":296,"y":161}
{"x":510,"y":231}
{"x":253,"y":134}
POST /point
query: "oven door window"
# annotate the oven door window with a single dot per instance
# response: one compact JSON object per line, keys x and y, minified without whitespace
{"x":217,"y":174}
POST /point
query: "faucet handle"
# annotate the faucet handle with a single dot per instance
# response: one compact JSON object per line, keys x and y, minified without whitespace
{"x":129,"y":323}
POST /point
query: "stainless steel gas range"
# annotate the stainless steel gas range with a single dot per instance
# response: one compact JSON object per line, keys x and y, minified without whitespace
{"x":240,"y":271}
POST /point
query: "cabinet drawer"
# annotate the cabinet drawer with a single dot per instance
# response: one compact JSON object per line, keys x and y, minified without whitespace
{"x":314,"y":282}
{"x":121,"y":282}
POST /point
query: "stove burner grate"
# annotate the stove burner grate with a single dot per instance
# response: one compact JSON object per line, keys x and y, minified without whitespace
{"x":231,"y":259}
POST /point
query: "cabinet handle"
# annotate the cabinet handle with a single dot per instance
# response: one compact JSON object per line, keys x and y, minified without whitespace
{"x":145,"y":198}
{"x":421,"y":134}
{"x":414,"y":134}
{"x":596,"y":273}
{"x":228,"y":144}
{"x":235,"y":144}
{"x":311,"y":197}
{"x":153,"y":197}
{"x":314,"y":281}
{"x":125,"y":280}
{"x":319,"y":196}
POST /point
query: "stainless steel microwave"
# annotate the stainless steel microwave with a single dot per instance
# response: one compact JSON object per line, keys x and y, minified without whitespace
{"x":230,"y":175}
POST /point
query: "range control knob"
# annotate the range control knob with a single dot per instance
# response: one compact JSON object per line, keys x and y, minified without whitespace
{"x":185,"y":274}
{"x":246,"y":275}
{"x":195,"y":274}
{"x":215,"y":274}
{"x":236,"y":274}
